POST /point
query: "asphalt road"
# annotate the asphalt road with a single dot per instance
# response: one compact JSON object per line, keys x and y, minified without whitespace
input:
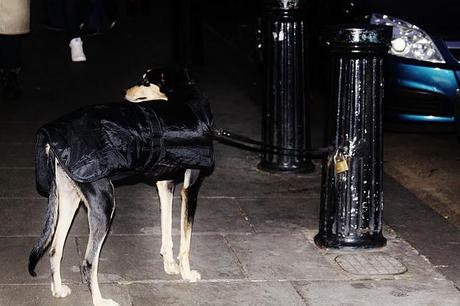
{"x":428,"y":165}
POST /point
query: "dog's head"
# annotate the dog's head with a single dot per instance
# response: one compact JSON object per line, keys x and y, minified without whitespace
{"x":153,"y":86}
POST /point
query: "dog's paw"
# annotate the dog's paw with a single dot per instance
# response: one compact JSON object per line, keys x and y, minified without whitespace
{"x":105,"y":302}
{"x":60,"y":292}
{"x":171,"y":267}
{"x":191,"y":276}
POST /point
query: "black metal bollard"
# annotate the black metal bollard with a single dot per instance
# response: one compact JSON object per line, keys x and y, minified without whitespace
{"x":351,"y":191}
{"x":285,"y":116}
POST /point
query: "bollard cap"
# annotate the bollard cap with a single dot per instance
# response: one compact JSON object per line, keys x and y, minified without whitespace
{"x":357,"y":37}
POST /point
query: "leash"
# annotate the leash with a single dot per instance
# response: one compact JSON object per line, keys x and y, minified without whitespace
{"x":226,"y":136}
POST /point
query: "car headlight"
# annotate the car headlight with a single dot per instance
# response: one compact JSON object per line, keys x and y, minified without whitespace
{"x":409,"y":40}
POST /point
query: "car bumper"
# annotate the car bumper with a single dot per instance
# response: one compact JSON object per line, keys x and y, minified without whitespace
{"x":418,"y":93}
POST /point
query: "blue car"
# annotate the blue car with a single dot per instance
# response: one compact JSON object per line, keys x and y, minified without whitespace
{"x":423,"y":72}
{"x":423,"y":66}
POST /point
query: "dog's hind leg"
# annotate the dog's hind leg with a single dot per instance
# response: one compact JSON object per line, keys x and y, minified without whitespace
{"x":68,"y":202}
{"x":166,"y":194}
{"x":100,"y":201}
{"x":192,"y":184}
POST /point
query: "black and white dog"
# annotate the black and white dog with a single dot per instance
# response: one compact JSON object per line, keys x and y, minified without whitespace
{"x":164,"y":138}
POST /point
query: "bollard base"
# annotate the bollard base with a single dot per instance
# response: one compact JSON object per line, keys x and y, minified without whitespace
{"x":362,"y":242}
{"x":280,"y":168}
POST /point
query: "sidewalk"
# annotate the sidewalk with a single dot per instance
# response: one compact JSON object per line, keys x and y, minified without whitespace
{"x":253,"y":234}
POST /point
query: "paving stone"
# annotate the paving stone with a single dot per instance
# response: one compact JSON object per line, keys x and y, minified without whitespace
{"x":38,"y":295}
{"x":17,"y":155}
{"x":133,"y":216}
{"x":234,"y":293}
{"x":214,"y":259}
{"x":306,"y":182}
{"x":219,"y":215}
{"x":251,"y":182}
{"x":18,"y":132}
{"x":432,"y":234}
{"x":418,"y":267}
{"x":136,"y":216}
{"x":14,"y":255}
{"x":275,"y":215}
{"x":227,"y":156}
{"x":137,"y":258}
{"x":18,"y":183}
{"x":34,"y":210}
{"x":137,"y":190}
{"x":14,"y":210}
{"x":281,"y":257}
{"x":41,"y":102}
{"x":382,"y":293}
{"x":142,"y":216}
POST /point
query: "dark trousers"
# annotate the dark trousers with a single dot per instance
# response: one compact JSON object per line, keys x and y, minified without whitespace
{"x":78,"y":11}
{"x":99,"y":11}
{"x":111,"y":9}
{"x":75,"y":11}
{"x":10,"y":52}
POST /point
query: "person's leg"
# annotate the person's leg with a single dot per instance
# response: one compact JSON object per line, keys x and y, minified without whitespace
{"x":92,"y":21}
{"x":145,"y":7}
{"x":10,"y":49}
{"x":73,"y":17}
{"x":135,"y":7}
{"x":10,"y":65}
{"x":131,"y":7}
{"x":73,"y":14}
{"x":111,"y":11}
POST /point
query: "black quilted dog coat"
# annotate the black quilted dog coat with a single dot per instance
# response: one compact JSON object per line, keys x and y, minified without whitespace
{"x":119,"y":140}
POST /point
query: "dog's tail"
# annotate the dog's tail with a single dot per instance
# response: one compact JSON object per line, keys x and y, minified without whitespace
{"x":50,"y":223}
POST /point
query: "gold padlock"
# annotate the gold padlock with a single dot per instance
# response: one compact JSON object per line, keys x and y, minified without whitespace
{"x":341,"y":164}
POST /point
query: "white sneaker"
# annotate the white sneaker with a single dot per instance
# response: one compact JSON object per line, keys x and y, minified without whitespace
{"x":76,"y":50}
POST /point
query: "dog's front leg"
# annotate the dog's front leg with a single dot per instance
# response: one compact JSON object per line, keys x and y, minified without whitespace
{"x":192,"y":183}
{"x":100,"y":201}
{"x":166,"y":194}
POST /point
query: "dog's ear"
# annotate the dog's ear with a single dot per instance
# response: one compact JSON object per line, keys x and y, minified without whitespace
{"x":161,"y":78}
